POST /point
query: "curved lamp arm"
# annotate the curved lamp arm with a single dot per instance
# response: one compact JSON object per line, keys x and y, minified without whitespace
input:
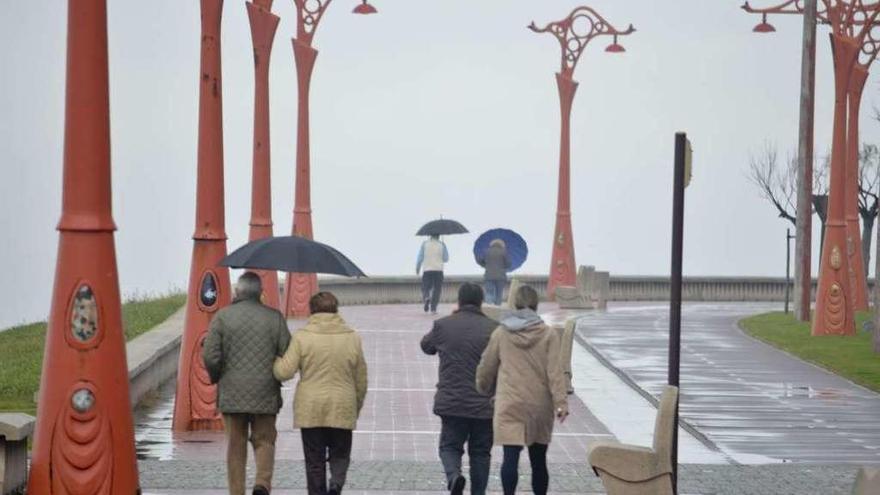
{"x":575,"y":32}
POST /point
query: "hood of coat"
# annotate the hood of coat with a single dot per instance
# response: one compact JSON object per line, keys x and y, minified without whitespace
{"x":327,"y":323}
{"x":525,"y":327}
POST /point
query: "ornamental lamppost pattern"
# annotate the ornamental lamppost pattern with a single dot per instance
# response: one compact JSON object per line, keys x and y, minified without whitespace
{"x":574,"y":33}
{"x":299,"y":287}
{"x":855,"y":42}
{"x":195,"y":404}
{"x":263,"y":26}
{"x":84,"y":440}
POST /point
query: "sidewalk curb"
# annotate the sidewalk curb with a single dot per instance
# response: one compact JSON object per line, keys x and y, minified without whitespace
{"x":683,"y":423}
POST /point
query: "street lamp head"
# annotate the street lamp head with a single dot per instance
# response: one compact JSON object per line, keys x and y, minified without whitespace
{"x":365,"y":8}
{"x":615,"y":47}
{"x":764,"y":26}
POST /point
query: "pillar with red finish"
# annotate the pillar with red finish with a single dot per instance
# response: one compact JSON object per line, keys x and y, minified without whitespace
{"x":573,"y":33}
{"x":834,"y":302}
{"x":84,"y":441}
{"x":263,"y":26}
{"x":562,"y":265}
{"x":858,"y":279}
{"x":195,"y":405}
{"x":299,"y":287}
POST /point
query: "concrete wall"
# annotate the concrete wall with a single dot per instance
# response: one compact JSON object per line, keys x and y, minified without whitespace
{"x":153,"y":357}
{"x":393,"y":290}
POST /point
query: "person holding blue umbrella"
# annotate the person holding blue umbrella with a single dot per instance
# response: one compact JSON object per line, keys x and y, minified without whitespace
{"x":497,"y":262}
{"x":499,"y":251}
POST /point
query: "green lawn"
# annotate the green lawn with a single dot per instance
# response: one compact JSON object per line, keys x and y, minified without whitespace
{"x":850,"y":357}
{"x":21,"y":349}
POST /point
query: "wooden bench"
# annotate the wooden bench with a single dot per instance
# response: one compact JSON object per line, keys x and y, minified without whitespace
{"x":15,"y":429}
{"x":635,"y":470}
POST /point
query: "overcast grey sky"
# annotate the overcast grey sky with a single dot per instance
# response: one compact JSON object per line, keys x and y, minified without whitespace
{"x":429,"y":108}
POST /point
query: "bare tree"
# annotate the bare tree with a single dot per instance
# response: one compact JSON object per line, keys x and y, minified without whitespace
{"x":869,"y":200}
{"x":776,"y":183}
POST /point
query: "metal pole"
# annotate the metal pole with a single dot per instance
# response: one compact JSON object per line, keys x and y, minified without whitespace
{"x":675,"y":285}
{"x":788,"y":237}
{"x":803,"y":280}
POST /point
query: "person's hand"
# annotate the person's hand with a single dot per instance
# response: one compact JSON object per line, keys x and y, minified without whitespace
{"x":562,"y":413}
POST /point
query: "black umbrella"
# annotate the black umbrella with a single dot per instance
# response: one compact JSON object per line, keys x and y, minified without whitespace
{"x":442,"y":227}
{"x":292,"y":254}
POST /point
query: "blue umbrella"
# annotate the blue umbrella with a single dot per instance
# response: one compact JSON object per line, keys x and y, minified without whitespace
{"x":517,"y":249}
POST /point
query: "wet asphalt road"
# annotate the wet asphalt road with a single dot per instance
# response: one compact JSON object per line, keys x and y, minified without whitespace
{"x":756,"y":403}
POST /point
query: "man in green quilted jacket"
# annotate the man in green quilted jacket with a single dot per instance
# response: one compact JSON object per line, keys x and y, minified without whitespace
{"x":243,"y":341}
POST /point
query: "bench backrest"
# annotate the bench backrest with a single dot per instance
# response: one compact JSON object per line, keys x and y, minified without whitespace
{"x":665,"y":425}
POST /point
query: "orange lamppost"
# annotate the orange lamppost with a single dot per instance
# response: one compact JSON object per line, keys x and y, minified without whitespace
{"x":299,"y":287}
{"x":842,"y":283}
{"x":84,"y":439}
{"x":263,"y":25}
{"x":209,"y":289}
{"x":574,"y":33}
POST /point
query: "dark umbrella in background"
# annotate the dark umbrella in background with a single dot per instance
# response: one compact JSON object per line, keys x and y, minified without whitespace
{"x":292,"y":254}
{"x":442,"y":227}
{"x":517,"y":249}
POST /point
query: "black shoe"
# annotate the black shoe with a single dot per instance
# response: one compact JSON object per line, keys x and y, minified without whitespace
{"x":334,"y":490}
{"x":260,"y":490}
{"x":457,"y":485}
{"x":427,"y":303}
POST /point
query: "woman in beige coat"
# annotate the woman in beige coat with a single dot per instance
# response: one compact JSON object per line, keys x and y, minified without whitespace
{"x":522,"y":363}
{"x":330,"y":393}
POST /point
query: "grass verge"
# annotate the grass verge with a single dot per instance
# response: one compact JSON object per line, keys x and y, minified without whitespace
{"x":21,"y":349}
{"x":849,"y":357}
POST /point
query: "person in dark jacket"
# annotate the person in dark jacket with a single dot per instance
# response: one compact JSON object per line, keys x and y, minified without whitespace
{"x":496,"y":262}
{"x":465,"y":414}
{"x":242,"y":343}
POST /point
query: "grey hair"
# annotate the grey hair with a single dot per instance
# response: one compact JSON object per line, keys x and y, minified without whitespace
{"x":249,"y":286}
{"x":526,"y":297}
{"x":498,"y":242}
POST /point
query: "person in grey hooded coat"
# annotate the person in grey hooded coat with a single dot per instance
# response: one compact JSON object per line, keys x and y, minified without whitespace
{"x":524,"y":364}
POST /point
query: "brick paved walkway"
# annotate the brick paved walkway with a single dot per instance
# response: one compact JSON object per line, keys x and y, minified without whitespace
{"x":396,"y":441}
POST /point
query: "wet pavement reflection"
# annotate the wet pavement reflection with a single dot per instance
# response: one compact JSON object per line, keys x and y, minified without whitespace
{"x":756,"y":403}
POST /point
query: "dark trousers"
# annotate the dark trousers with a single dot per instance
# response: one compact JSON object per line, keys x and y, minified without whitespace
{"x":510,"y":468}
{"x":322,"y":446}
{"x":477,"y":433}
{"x":432,"y":286}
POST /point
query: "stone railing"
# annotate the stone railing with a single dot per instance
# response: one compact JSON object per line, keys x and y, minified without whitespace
{"x":407,"y":289}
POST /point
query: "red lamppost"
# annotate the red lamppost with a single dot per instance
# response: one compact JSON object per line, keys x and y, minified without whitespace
{"x":84,"y":439}
{"x":263,"y":25}
{"x":209,"y":289}
{"x":299,"y":287}
{"x":842,"y":282}
{"x":574,"y":33}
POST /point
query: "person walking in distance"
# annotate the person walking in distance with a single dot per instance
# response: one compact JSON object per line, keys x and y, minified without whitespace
{"x":432,"y":255}
{"x":523,"y":362}
{"x":496,"y":262}
{"x":329,"y":357}
{"x":465,"y":413}
{"x":243,"y":341}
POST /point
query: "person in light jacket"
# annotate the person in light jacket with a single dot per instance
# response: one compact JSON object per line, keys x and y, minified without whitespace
{"x":496,"y":262}
{"x":329,"y":358}
{"x":432,"y":255}
{"x":523,"y":364}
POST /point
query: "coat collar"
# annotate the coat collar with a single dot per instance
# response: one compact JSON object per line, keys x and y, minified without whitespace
{"x":327,"y":323}
{"x":469,"y":308}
